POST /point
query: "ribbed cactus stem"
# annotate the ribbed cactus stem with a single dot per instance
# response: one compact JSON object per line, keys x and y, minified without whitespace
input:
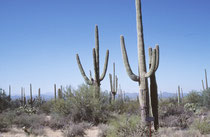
{"x":143,"y":74}
{"x":55,"y":91}
{"x":113,"y":83}
{"x":60,"y":93}
{"x":97,"y":80}
{"x":203,"y":84}
{"x":24,"y":97}
{"x":39,"y":93}
{"x":179,"y":99}
{"x":206,"y":79}
{"x":182,"y":93}
{"x":9,"y":92}
{"x":21,"y":98}
{"x":31,"y":96}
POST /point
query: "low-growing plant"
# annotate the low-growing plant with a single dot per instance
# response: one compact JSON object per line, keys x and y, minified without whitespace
{"x":126,"y":126}
{"x":202,"y":125}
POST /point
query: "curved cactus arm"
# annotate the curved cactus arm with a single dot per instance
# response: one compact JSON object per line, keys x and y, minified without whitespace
{"x":110,"y":78}
{"x":126,"y":62}
{"x":157,"y":57}
{"x":150,"y":57}
{"x":152,"y":68}
{"x":82,"y":71}
{"x":105,"y":65}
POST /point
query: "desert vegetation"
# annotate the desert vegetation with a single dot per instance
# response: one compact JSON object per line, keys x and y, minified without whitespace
{"x":73,"y":112}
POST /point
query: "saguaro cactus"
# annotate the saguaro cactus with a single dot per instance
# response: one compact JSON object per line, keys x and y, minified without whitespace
{"x":39,"y":93}
{"x":206,"y":79}
{"x":97,"y":81}
{"x":9,"y":93}
{"x":143,"y":74}
{"x":114,"y":84}
{"x":60,"y":94}
{"x":179,"y":98}
{"x":55,"y":92}
{"x":153,"y":87}
{"x":203,"y":85}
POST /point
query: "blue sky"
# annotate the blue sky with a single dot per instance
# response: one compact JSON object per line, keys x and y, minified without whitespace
{"x":39,"y":40}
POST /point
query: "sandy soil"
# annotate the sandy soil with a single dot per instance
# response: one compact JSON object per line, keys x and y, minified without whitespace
{"x":17,"y":132}
{"x":92,"y":132}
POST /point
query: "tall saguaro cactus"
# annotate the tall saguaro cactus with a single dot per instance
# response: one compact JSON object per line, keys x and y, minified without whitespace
{"x":9,"y":93}
{"x":97,"y":81}
{"x":179,"y":97}
{"x":206,"y":79}
{"x":143,"y":74}
{"x":114,"y":83}
{"x":55,"y":92}
{"x":154,"y":87}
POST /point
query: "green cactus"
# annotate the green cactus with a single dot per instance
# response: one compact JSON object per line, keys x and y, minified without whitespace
{"x":39,"y":93}
{"x":206,"y":79}
{"x":55,"y":92}
{"x":9,"y":93}
{"x":143,"y":76}
{"x":203,"y":84}
{"x":179,"y":97}
{"x":97,"y":81}
{"x":60,"y":94}
{"x":114,"y":84}
{"x":154,"y":88}
{"x":31,"y":101}
{"x":24,"y":98}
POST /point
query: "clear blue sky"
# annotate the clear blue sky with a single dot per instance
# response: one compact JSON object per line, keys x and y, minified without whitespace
{"x":39,"y":40}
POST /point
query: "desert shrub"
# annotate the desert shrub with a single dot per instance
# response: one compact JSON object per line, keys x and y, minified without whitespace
{"x":194,"y":97}
{"x":202,"y":125}
{"x":206,"y":98}
{"x":81,"y":105}
{"x":4,"y":101}
{"x":129,"y":107}
{"x":58,"y":121}
{"x":76,"y":130}
{"x":125,"y":126}
{"x":6,"y":119}
{"x":46,"y":107}
{"x":31,"y":124}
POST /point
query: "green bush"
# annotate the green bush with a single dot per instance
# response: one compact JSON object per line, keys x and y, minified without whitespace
{"x":194,"y":97}
{"x":202,"y":125}
{"x":125,"y":126}
{"x":80,"y":105}
{"x":206,"y":98}
{"x":4,"y":101}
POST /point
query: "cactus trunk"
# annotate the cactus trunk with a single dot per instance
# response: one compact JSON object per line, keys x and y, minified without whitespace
{"x":206,"y":79}
{"x":55,"y":92}
{"x":179,"y":99}
{"x":143,"y":76}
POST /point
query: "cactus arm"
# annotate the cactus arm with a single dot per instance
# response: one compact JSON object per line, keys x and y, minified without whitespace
{"x":82,"y":71}
{"x":150,"y":57}
{"x":110,"y":78}
{"x":126,"y":62}
{"x":105,"y":65}
{"x":152,"y":69}
{"x":157,"y":57}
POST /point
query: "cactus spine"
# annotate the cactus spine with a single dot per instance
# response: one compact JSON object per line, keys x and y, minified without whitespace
{"x":143,"y":74}
{"x":97,"y":81}
{"x":114,"y":83}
